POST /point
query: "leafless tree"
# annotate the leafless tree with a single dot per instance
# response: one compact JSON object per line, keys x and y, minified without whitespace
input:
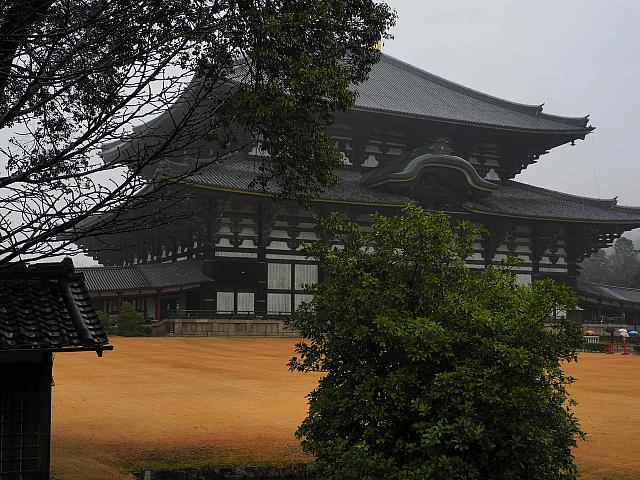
{"x":78,"y":77}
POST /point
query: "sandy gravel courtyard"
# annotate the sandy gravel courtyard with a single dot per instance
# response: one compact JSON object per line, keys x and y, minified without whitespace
{"x":186,"y":402}
{"x":176,"y":401}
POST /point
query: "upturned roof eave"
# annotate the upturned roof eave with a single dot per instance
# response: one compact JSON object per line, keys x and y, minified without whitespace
{"x":530,"y":110}
{"x":635,"y":223}
{"x":577,"y":134}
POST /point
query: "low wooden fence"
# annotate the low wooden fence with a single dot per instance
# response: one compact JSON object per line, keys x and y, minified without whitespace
{"x":604,"y":344}
{"x":220,"y":327}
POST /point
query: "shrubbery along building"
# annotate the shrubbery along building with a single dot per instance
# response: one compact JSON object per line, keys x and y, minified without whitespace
{"x":411,"y":137}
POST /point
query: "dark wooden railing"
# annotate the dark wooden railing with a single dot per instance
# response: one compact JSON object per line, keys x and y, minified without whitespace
{"x":218,"y":314}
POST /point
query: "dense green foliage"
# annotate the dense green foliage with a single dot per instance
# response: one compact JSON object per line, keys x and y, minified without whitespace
{"x":104,"y":319}
{"x":130,"y":321}
{"x":433,"y":371}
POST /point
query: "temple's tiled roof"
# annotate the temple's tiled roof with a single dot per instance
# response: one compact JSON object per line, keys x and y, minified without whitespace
{"x":515,"y":199}
{"x":46,"y":306}
{"x":511,"y":199}
{"x":237,"y":174}
{"x":142,"y":276}
{"x":608,"y":292}
{"x":397,"y":87}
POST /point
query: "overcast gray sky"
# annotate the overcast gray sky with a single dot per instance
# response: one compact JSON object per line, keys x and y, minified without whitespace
{"x":576,"y":57}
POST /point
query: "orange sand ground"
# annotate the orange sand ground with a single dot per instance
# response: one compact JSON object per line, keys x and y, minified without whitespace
{"x":188,"y":402}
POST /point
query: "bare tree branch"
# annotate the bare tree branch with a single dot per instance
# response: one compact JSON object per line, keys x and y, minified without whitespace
{"x":96,"y":94}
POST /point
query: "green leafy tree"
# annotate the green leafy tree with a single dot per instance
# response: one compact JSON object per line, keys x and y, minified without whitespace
{"x":104,"y":319}
{"x":432,"y":370}
{"x":130,"y":321}
{"x":596,"y":268}
{"x":624,"y":263}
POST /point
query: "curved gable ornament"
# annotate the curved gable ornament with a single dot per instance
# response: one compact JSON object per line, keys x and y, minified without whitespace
{"x":437,"y":180}
{"x":414,"y":168}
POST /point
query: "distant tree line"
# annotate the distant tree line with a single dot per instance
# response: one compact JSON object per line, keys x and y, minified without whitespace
{"x":619,"y":265}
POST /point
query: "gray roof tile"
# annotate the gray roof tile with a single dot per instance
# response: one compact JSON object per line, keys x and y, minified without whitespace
{"x":236,"y":174}
{"x":521,"y":200}
{"x":46,"y":306}
{"x":608,"y":292}
{"x":510,"y":198}
{"x":395,"y":86}
{"x":141,"y":276}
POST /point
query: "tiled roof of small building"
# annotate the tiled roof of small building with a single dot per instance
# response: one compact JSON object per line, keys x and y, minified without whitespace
{"x":46,"y":306}
{"x":608,"y":292}
{"x":515,"y":199}
{"x":142,"y":276}
{"x":398,"y":87}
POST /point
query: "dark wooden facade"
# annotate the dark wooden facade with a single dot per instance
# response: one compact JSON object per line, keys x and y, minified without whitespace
{"x":412,"y":136}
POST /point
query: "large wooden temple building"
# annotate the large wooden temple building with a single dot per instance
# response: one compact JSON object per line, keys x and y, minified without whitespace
{"x":412,"y":136}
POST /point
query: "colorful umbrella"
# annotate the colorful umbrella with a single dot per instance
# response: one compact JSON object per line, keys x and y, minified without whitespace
{"x":633,"y":332}
{"x":622,"y":330}
{"x":590,"y":332}
{"x":624,"y":334}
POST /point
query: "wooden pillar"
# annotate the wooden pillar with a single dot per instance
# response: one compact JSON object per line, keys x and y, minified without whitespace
{"x":490,"y":243}
{"x":209,"y":294}
{"x":359,"y":144}
{"x":264,"y":221}
{"x":293,"y":244}
{"x":572,"y":270}
{"x":158,"y":307}
{"x":577,"y":242}
{"x":321,"y":274}
{"x":293,"y":287}
{"x":536,"y":248}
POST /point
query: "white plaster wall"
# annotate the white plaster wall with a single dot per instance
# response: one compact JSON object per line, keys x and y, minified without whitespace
{"x":305,"y":275}
{"x":279,"y":276}
{"x":224,"y":302}
{"x":278,"y":302}
{"x":245,"y":302}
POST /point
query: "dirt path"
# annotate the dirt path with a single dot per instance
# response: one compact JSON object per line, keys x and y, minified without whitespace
{"x":180,"y":402}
